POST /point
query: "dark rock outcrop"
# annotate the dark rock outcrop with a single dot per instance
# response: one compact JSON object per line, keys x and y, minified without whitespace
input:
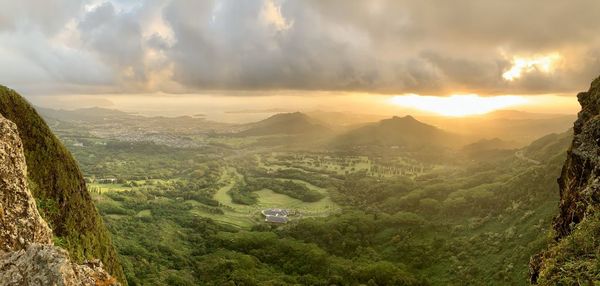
{"x":579,"y":186}
{"x":571,"y":256}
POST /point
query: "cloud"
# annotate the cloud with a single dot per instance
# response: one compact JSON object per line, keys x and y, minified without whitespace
{"x":271,"y":16}
{"x":116,"y":38}
{"x":380,"y":46}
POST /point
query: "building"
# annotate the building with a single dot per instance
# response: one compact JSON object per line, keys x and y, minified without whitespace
{"x":276,"y":219}
{"x":275,"y":212}
{"x":107,"y":181}
{"x":275,"y":215}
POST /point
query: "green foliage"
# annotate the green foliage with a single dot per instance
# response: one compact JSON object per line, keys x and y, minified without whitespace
{"x":286,"y":187}
{"x":402,"y":221}
{"x":575,"y":260}
{"x":299,"y":262}
{"x":240,"y":194}
{"x":481,"y":224}
{"x":59,"y":186}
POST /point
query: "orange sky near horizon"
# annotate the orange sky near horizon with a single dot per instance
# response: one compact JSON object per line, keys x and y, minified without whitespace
{"x":253,"y":107}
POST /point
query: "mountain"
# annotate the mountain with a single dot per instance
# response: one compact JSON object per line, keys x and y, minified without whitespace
{"x":548,"y":144}
{"x":397,"y":132}
{"x":521,"y":127}
{"x":89,"y":115}
{"x":572,"y":258}
{"x":28,"y":256}
{"x":285,"y":124}
{"x":344,"y":118}
{"x":489,"y":149}
{"x":490,"y":144}
{"x":517,"y":114}
{"x":59,"y":188}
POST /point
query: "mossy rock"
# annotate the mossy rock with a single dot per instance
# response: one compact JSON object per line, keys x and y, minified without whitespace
{"x":59,"y":188}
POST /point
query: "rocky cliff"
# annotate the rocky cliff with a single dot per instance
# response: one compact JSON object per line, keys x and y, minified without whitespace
{"x":20,"y":222}
{"x":27,"y":254}
{"x":58,"y":187}
{"x":573,"y":257}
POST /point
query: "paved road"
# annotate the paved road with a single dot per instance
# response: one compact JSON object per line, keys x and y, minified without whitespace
{"x":519,"y":154}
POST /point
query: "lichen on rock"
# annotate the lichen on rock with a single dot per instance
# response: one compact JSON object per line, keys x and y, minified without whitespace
{"x":20,"y":221}
{"x":45,"y":264}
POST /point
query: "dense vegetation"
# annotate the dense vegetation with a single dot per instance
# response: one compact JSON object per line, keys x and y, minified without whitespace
{"x":58,"y":187}
{"x":574,"y":259}
{"x":379,"y":214}
{"x":474,"y":223}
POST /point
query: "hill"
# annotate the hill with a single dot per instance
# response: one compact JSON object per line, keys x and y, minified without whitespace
{"x":490,"y":144}
{"x":521,"y":127}
{"x":397,"y":132}
{"x":517,"y":114}
{"x":285,"y":124}
{"x":59,"y":188}
{"x":344,"y":119}
{"x":489,"y":149}
{"x":89,"y":115}
{"x":548,"y":144}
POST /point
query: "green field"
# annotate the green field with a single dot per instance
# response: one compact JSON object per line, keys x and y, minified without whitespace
{"x":103,"y":188}
{"x":245,"y":216}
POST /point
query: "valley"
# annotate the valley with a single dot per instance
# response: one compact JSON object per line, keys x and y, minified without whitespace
{"x":283,"y":142}
{"x":386,"y":211}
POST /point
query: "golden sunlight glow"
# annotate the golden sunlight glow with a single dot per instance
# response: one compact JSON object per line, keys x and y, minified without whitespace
{"x":458,"y":105}
{"x":541,"y":63}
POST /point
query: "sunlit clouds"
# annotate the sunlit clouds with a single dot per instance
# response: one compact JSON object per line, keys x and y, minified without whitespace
{"x":271,"y":15}
{"x":540,"y":63}
{"x":377,"y":47}
{"x":458,"y":105}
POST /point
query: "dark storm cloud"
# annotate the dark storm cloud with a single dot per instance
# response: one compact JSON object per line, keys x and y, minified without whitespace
{"x":394,"y":46}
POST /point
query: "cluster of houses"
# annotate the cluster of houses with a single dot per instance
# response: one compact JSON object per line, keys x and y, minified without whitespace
{"x":90,"y":180}
{"x":275,"y":215}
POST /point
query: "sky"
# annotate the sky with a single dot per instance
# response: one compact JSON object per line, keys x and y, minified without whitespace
{"x":308,"y":49}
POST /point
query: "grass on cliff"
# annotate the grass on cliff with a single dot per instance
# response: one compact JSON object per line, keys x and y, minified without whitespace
{"x":58,"y":187}
{"x":575,"y":260}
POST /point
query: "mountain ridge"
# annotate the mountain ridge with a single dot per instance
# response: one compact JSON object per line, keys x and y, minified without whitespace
{"x":293,"y":123}
{"x":405,"y":132}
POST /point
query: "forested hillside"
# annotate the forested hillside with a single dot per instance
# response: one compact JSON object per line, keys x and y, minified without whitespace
{"x":176,"y":220}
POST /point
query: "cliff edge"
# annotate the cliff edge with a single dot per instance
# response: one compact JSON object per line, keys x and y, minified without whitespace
{"x":57,"y":185}
{"x":573,"y":257}
{"x":27,"y":253}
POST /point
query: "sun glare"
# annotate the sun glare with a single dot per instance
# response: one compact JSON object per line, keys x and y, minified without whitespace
{"x":521,"y":65}
{"x":458,"y":105}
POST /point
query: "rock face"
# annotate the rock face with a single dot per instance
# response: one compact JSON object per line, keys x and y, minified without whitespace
{"x":572,"y":257}
{"x":20,"y":221}
{"x":27,"y":254}
{"x":579,"y":181}
{"x":58,"y":186}
{"x":47,"y":264}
